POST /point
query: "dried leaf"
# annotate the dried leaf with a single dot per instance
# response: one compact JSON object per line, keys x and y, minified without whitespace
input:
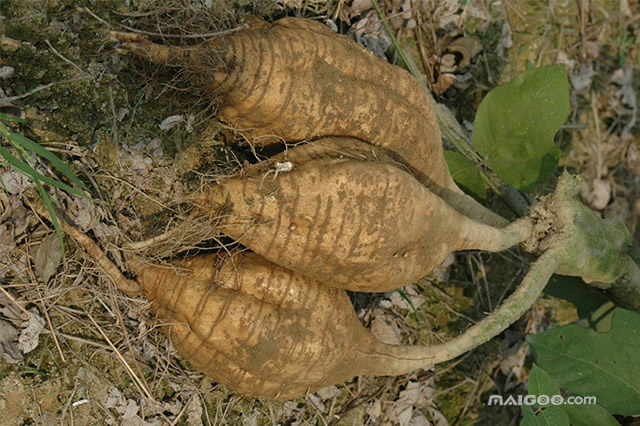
{"x":375,"y":409}
{"x":11,"y":312}
{"x":7,"y":243}
{"x":171,"y":122}
{"x":403,"y":408}
{"x":6,"y":71}
{"x":581,"y":78}
{"x":194,"y":411}
{"x":370,"y":33}
{"x":28,"y":339}
{"x":384,"y":328}
{"x":410,"y":291}
{"x":15,"y":182}
{"x":9,"y":343}
{"x":47,"y":258}
{"x":467,"y":48}
{"x":328,"y":393}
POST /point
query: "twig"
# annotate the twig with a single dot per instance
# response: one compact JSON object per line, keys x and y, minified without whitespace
{"x":133,"y":375}
{"x":126,"y":339}
{"x":90,"y":12}
{"x":181,"y":413}
{"x":81,"y":340}
{"x":44,"y":308}
{"x":15,"y":302}
{"x":4,"y":102}
{"x":596,"y":120}
{"x":61,"y":56}
{"x":68,"y":404}
{"x":318,"y":412}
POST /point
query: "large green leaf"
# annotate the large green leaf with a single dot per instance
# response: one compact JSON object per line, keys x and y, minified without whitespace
{"x":540,"y":383}
{"x":553,"y":416}
{"x":466,"y":174}
{"x":589,"y":415}
{"x":516,"y":123}
{"x":587,"y":363}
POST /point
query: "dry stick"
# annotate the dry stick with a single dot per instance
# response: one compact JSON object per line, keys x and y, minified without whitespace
{"x":68,"y":61}
{"x":398,"y":360}
{"x":126,"y":338}
{"x":44,"y":309}
{"x":15,"y":302}
{"x":124,"y":361}
{"x":9,"y":100}
{"x":46,"y":315}
{"x":81,"y":340}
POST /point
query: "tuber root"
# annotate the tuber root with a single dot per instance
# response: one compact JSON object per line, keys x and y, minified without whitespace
{"x":258,"y":328}
{"x":296,"y":80}
{"x":347,"y":215}
{"x":268,"y":332}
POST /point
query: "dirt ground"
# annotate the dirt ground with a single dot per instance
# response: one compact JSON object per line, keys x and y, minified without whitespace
{"x":143,"y":137}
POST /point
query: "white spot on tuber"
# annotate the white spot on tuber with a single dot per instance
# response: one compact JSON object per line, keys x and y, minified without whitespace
{"x":286,"y":166}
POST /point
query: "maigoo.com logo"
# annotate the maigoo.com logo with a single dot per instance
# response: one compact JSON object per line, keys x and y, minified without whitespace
{"x":542,"y":400}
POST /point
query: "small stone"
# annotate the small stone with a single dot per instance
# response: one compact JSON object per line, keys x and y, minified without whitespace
{"x":6,"y":72}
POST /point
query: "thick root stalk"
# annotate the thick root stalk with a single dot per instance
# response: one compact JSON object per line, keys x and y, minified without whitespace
{"x":388,"y":360}
{"x":479,"y":236}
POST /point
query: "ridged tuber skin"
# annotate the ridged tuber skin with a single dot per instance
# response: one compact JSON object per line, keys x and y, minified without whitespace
{"x":268,"y":332}
{"x":296,"y":80}
{"x":258,"y":328}
{"x":343,"y":213}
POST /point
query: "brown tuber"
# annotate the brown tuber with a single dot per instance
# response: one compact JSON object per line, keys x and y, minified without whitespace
{"x":268,"y":332}
{"x":296,"y":80}
{"x":347,"y":215}
{"x":367,"y":205}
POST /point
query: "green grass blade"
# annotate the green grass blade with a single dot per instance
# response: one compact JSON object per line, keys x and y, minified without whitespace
{"x":405,"y":297}
{"x":54,"y":217}
{"x":8,"y":118}
{"x":37,"y":176}
{"x":45,"y":153}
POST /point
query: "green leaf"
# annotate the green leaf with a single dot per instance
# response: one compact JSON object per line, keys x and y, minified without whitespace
{"x":589,"y":415}
{"x":466,"y":174}
{"x":516,"y":123}
{"x":44,"y":153}
{"x":541,"y":384}
{"x":553,"y":416}
{"x":37,"y":176}
{"x":587,"y":363}
{"x":529,"y":418}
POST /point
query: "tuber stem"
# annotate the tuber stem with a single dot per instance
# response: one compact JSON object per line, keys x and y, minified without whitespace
{"x":123,"y":284}
{"x":385,"y":360}
{"x":479,"y":236}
